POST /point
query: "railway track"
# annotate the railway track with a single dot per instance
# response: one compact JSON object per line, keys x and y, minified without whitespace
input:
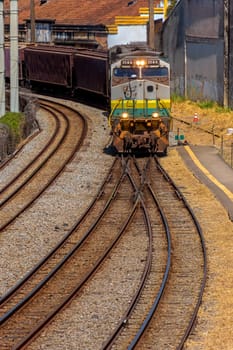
{"x":164,"y":315}
{"x":32,"y":303}
{"x":22,"y":190}
{"x":136,"y":197}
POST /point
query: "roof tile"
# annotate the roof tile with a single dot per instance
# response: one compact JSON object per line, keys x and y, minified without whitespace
{"x":80,"y":12}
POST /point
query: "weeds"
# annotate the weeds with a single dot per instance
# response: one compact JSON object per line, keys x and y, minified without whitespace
{"x":14,"y":121}
{"x":177,"y":98}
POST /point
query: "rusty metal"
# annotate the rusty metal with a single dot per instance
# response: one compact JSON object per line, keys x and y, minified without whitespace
{"x":91,"y":71}
{"x":141,"y":134}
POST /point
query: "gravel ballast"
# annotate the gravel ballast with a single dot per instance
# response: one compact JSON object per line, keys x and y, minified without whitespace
{"x":38,"y":229}
{"x":27,"y":240}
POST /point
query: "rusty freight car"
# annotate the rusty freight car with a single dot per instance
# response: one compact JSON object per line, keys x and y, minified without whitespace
{"x":80,"y":73}
{"x":91,"y":71}
{"x":49,"y":67}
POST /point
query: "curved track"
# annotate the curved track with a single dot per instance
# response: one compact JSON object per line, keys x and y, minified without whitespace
{"x":21,"y":191}
{"x":32,"y":303}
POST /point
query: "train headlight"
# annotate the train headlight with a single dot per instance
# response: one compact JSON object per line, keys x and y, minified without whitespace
{"x":155,"y":115}
{"x":125,"y":115}
{"x":140,"y":63}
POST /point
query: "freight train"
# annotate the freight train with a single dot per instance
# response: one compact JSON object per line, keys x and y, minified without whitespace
{"x":133,"y":84}
{"x":63,"y":71}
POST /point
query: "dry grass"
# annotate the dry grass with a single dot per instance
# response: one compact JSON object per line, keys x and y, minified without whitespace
{"x":212,"y":118}
{"x":213,"y":328}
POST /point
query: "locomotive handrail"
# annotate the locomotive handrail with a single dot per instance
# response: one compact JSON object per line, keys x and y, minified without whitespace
{"x":113,"y":109}
{"x":165,"y":108}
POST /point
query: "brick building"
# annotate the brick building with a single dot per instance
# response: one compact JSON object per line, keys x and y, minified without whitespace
{"x":84,"y":22}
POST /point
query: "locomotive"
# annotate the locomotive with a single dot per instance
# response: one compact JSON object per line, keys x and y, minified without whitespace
{"x":132,"y":83}
{"x":140,"y":101}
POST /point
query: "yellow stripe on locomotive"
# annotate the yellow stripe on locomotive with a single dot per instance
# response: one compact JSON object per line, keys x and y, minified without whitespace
{"x":140,"y":108}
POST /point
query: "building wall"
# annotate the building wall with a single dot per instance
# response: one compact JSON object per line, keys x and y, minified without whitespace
{"x":43,"y":33}
{"x":102,"y":40}
{"x":130,"y":33}
{"x":173,"y":47}
{"x":194,"y":43}
{"x":127,"y":34}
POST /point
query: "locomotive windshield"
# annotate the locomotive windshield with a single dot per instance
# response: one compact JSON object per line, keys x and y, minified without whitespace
{"x":155,"y":72}
{"x":125,"y":72}
{"x":145,"y":72}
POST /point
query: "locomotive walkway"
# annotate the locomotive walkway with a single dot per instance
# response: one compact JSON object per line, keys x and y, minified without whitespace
{"x":207,"y":165}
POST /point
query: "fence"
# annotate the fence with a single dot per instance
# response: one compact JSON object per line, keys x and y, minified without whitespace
{"x":226,"y":148}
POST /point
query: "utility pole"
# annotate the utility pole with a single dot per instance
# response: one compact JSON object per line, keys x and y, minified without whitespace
{"x":14,"y":57}
{"x":32,"y":20}
{"x":151,"y":25}
{"x":226,"y":54}
{"x":2,"y":63}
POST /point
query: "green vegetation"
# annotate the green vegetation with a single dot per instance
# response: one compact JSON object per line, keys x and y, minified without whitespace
{"x":15,"y":122}
{"x":210,"y":105}
{"x":220,"y":109}
{"x":213,"y":105}
{"x":177,"y":98}
{"x":171,"y":6}
{"x":206,"y":104}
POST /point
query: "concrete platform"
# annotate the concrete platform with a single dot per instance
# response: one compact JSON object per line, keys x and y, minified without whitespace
{"x":207,"y":165}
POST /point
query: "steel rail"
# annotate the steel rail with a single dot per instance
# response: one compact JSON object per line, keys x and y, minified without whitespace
{"x":205,"y":265}
{"x":41,"y":325}
{"x":51,"y":139}
{"x":43,"y":150}
{"x":108,"y":344}
{"x":153,"y":308}
{"x":57,"y":173}
{"x":17,"y":286}
{"x":62,"y":261}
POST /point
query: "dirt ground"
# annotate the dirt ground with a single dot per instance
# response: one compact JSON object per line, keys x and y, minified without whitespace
{"x":213,"y":126}
{"x":214,"y":325}
{"x":214,"y":118}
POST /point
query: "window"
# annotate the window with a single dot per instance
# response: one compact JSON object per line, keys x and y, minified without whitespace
{"x":125,"y":72}
{"x":155,"y":72}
